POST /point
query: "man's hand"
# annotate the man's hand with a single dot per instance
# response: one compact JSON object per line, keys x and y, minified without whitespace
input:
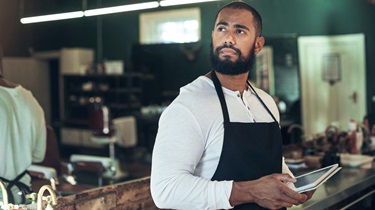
{"x":268,"y":191}
{"x":309,"y":194}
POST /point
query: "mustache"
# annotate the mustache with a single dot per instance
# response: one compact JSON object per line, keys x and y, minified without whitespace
{"x":230,"y":47}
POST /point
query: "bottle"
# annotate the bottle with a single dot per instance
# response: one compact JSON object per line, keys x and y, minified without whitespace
{"x":359,"y":140}
{"x":352,"y":137}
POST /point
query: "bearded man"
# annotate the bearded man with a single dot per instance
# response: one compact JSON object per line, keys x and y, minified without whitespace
{"x":219,"y":144}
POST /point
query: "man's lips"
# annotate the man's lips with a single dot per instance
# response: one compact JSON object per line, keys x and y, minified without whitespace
{"x":228,"y":51}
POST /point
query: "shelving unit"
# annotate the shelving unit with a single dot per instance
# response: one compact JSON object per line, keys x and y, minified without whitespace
{"x":121,"y":93}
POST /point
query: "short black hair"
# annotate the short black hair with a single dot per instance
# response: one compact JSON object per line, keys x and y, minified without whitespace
{"x":244,"y":5}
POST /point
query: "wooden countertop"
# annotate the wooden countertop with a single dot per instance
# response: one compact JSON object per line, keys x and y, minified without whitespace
{"x":136,"y":194}
{"x":133,"y":194}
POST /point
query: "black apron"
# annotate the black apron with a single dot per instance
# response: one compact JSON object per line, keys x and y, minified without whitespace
{"x":250,"y":150}
{"x":24,"y":189}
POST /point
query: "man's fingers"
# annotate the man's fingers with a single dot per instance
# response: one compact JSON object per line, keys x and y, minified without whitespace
{"x":284,"y":178}
{"x":293,"y":197}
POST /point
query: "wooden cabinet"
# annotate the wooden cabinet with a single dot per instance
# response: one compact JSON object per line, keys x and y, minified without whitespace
{"x":121,"y":93}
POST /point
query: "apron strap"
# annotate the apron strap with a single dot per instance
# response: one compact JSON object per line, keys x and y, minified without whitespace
{"x":261,"y":101}
{"x":21,"y":186}
{"x":220,"y":93}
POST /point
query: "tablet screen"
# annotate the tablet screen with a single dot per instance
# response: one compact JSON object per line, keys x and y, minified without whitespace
{"x":308,"y":179}
{"x":313,"y":179}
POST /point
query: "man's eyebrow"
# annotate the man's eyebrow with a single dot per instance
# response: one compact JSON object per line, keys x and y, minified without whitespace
{"x":222,"y":23}
{"x":241,"y":26}
{"x":236,"y":25}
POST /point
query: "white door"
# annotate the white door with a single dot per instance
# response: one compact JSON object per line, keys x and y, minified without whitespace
{"x":341,"y":60}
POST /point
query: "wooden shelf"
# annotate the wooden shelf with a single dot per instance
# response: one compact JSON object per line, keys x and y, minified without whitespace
{"x":121,"y":93}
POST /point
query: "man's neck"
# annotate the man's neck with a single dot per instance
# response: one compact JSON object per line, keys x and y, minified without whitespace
{"x":7,"y":83}
{"x":232,"y":82}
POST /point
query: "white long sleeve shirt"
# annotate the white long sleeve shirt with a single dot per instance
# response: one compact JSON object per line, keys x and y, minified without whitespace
{"x":189,"y":141}
{"x":22,"y":133}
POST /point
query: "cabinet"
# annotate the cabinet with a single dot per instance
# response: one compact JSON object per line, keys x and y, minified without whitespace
{"x":121,"y":93}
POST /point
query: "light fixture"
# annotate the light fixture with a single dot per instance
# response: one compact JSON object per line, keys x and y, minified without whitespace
{"x":166,"y":3}
{"x":45,"y":18}
{"x":124,"y":8}
{"x":109,"y":10}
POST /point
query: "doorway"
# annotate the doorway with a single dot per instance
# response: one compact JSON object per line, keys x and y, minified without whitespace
{"x":333,"y":85}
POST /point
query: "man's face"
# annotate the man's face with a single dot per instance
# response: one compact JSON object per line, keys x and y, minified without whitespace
{"x":234,"y":42}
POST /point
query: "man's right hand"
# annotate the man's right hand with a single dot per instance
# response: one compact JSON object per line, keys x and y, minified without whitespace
{"x":268,"y":191}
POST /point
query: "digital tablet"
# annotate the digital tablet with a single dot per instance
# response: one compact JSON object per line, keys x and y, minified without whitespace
{"x":313,"y":179}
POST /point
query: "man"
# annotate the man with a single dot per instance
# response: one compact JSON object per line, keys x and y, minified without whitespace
{"x":22,"y":137}
{"x":219,"y":144}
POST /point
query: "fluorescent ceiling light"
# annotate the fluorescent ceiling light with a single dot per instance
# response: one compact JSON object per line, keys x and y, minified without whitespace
{"x":124,"y":8}
{"x":166,"y":3}
{"x":108,"y":10}
{"x":44,"y":18}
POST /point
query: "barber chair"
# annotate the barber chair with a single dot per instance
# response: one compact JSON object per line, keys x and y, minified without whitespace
{"x":55,"y":172}
{"x":105,"y":131}
{"x":100,"y":122}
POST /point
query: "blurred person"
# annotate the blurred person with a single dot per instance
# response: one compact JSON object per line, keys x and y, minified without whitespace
{"x":369,"y":122}
{"x":22,"y":137}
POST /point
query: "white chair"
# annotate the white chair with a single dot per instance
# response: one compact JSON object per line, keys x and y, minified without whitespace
{"x":125,"y":131}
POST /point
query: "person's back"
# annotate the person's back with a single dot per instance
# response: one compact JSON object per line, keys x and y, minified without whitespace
{"x":22,"y":134}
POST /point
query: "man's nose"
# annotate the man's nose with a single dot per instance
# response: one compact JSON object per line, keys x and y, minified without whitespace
{"x":229,"y":39}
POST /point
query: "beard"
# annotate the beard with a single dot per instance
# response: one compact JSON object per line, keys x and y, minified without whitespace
{"x":228,"y":67}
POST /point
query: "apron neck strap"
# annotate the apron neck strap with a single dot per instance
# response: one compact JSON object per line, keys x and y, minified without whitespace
{"x":219,"y":91}
{"x":261,"y":101}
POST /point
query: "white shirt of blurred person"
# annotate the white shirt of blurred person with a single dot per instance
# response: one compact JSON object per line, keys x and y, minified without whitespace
{"x":22,"y":137}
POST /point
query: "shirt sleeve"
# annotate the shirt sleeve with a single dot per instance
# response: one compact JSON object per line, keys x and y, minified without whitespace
{"x":178,"y":149}
{"x":286,"y":170}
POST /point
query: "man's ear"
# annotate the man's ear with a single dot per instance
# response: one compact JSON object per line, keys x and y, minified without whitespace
{"x":259,"y":43}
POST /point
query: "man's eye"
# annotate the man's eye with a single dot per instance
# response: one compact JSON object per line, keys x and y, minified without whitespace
{"x":239,"y":31}
{"x":221,"y":29}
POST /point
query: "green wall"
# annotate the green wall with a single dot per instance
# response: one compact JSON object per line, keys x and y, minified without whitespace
{"x":121,"y":31}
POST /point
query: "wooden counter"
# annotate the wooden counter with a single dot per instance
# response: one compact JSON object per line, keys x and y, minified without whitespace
{"x":127,"y":195}
{"x":346,"y":185}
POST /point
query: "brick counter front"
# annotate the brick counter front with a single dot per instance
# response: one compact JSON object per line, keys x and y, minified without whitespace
{"x":127,"y":195}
